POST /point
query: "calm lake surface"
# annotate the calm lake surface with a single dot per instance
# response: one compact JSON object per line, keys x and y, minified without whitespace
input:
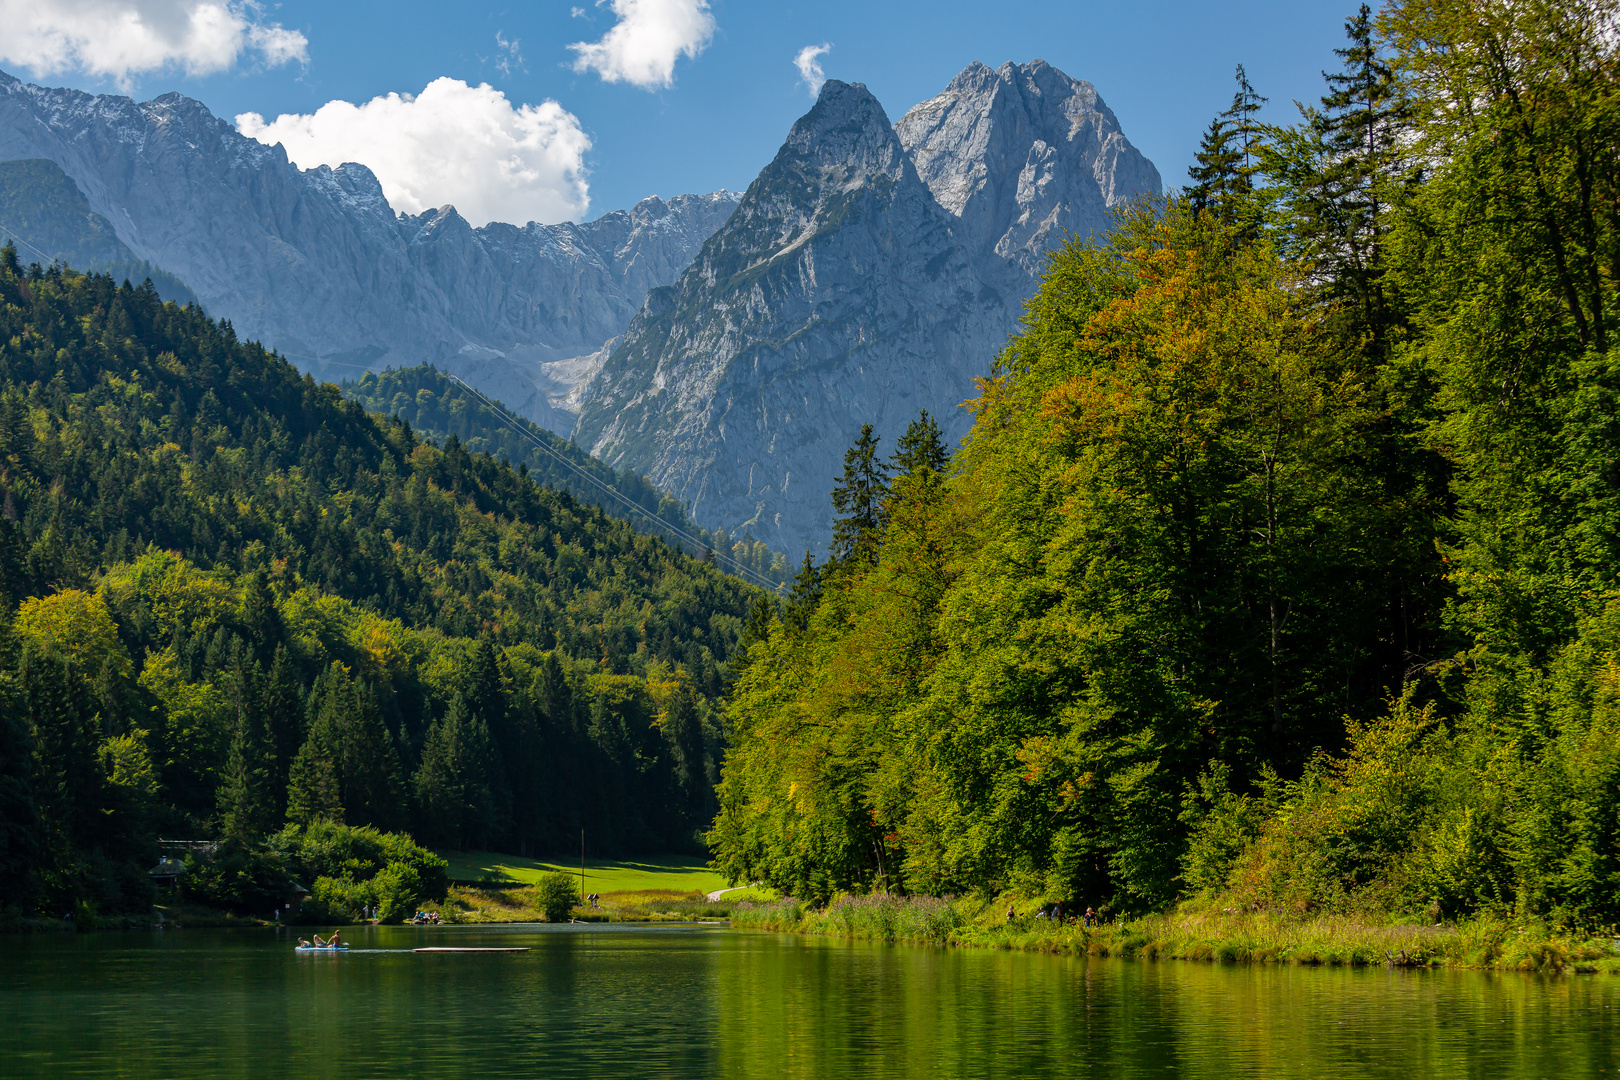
{"x":629,"y":1001}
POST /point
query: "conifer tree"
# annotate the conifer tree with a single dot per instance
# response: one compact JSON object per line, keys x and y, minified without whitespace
{"x":1248,"y":134}
{"x":68,"y":775}
{"x":19,"y":816}
{"x":921,"y":449}
{"x":858,"y":498}
{"x":367,"y":762}
{"x":1342,"y":204}
{"x":805,"y":596}
{"x":758,"y":629}
{"x":258,"y":614}
{"x":683,"y":729}
{"x":485,"y":688}
{"x":1214,"y":172}
{"x":553,"y":695}
{"x":452,"y":795}
{"x":314,"y":786}
{"x":283,"y":712}
{"x":1229,"y":160}
{"x":247,"y":794}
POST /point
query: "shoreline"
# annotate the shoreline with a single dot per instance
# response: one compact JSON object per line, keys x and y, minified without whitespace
{"x":491,"y":905}
{"x":1200,"y":934}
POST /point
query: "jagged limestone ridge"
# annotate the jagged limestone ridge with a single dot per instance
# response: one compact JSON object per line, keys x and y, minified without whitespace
{"x":835,"y":294}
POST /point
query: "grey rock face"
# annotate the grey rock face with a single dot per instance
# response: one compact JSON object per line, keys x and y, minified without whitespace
{"x":316,"y":263}
{"x":869,"y":272}
{"x":45,"y":214}
{"x":1022,"y":156}
{"x":836,"y":294}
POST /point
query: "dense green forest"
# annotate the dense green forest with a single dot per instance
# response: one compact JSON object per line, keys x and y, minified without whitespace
{"x":1280,"y":564}
{"x":437,"y":408}
{"x":232,"y":602}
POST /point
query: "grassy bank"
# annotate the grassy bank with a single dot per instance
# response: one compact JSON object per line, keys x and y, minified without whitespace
{"x":1196,"y":932}
{"x":669,"y":873}
{"x":516,"y":903}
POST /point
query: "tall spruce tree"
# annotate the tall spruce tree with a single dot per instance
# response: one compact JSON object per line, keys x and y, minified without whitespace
{"x":921,"y":449}
{"x":1248,"y":134}
{"x":20,"y":825}
{"x":758,"y":629}
{"x":315,"y":783}
{"x":1359,"y":126}
{"x":368,"y":762}
{"x":282,"y":707}
{"x":1214,"y":169}
{"x":247,"y":793}
{"x":66,"y":770}
{"x":805,"y":595}
{"x":858,"y":498}
{"x":1229,"y":160}
{"x":682,"y":727}
{"x":259,"y":616}
{"x":454,"y":806}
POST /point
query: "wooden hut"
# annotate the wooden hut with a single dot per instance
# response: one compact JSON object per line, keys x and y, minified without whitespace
{"x":167,"y":872}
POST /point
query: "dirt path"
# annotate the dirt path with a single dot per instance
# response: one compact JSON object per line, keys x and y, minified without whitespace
{"x":718,"y":893}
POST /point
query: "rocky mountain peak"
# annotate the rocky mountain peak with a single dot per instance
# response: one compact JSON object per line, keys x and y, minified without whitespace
{"x":834,"y":295}
{"x":846,"y":131}
{"x":1022,"y":155}
{"x":358,"y":180}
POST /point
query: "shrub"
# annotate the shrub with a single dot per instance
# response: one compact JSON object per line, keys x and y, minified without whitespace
{"x":338,"y":899}
{"x":326,"y":849}
{"x":1223,"y":824}
{"x":432,"y":872}
{"x":397,"y":889}
{"x":555,"y":895}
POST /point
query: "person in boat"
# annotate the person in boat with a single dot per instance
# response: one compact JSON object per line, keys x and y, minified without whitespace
{"x":332,"y":942}
{"x":302,"y":944}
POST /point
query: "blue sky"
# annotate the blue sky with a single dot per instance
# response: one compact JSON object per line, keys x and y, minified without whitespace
{"x":1164,"y":68}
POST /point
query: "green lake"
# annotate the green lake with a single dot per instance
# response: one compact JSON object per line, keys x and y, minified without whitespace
{"x":632,"y":1001}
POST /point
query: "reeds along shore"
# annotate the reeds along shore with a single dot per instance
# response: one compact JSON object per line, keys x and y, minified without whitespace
{"x":1196,"y":931}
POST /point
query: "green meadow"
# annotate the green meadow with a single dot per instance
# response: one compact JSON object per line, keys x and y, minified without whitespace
{"x":674,"y":873}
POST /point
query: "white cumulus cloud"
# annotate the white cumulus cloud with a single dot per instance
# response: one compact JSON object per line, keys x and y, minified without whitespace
{"x":809,"y":64}
{"x":644,"y":44}
{"x":452,"y":143}
{"x":120,"y":39}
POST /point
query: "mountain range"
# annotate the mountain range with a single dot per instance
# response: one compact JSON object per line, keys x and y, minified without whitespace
{"x":727,"y":346}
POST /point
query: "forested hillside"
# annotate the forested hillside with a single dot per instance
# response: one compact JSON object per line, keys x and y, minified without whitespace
{"x":1281,"y":563}
{"x":230,"y":600}
{"x":437,"y":407}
